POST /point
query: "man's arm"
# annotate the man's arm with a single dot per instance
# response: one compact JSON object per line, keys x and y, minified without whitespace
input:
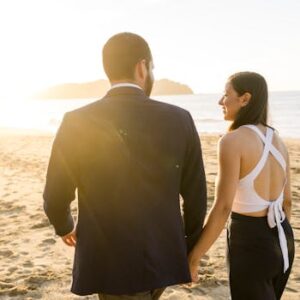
{"x":61,"y":179}
{"x":193,"y":189}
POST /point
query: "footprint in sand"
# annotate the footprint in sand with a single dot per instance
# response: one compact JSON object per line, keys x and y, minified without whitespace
{"x":296,"y":170}
{"x":6,"y":253}
{"x":18,"y":290}
{"x":291,"y":290}
{"x":42,"y":224}
{"x":204,"y":263}
{"x":8,"y":205}
{"x":13,"y":216}
{"x":11,"y":208}
{"x":28,"y":264}
{"x":48,"y":242}
{"x":206,"y":271}
{"x":12,"y":269}
{"x":5,"y":285}
{"x":37,"y":216}
{"x":23,"y":273}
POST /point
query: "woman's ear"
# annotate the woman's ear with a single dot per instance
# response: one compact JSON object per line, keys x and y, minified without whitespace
{"x":245,"y":99}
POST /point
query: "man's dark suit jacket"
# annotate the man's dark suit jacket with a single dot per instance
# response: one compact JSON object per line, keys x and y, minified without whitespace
{"x":129,"y":158}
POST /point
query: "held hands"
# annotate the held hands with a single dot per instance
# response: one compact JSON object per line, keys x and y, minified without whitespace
{"x":194,"y":274}
{"x":194,"y":271}
{"x":70,"y":238}
{"x":194,"y":266}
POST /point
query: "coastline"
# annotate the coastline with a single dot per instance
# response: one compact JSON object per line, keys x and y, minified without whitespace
{"x":35,"y":264}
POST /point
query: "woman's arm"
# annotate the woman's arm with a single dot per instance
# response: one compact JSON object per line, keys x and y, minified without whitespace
{"x":287,"y":203}
{"x":226,"y":184}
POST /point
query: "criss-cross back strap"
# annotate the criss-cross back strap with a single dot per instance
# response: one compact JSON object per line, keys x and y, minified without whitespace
{"x":275,"y":212}
{"x":269,"y":147}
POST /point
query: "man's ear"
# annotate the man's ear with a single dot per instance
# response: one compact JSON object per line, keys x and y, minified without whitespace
{"x":245,"y":99}
{"x":144,"y":67}
{"x":141,"y":69}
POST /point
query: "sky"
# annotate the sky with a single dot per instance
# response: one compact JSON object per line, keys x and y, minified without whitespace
{"x":195,"y":42}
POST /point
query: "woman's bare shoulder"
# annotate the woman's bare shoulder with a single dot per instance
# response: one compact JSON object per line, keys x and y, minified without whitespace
{"x":234,"y":137}
{"x":232,"y":140}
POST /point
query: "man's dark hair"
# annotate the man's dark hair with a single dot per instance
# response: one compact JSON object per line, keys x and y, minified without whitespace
{"x":122,"y":52}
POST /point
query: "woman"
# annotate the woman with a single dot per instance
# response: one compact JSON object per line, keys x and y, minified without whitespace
{"x":253,"y":183}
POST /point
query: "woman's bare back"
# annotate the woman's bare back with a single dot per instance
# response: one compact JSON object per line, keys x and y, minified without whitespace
{"x":271,"y":180}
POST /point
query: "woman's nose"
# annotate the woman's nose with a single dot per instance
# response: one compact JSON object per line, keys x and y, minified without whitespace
{"x":221,"y":101}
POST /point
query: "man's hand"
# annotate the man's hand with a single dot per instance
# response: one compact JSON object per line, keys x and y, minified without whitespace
{"x":70,"y":238}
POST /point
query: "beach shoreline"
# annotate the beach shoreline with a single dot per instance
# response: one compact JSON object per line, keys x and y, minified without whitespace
{"x":35,"y":264}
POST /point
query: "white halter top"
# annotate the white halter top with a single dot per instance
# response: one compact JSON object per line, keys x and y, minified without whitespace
{"x":247,"y":200}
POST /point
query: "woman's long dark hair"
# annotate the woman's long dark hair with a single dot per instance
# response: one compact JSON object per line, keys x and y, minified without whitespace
{"x":256,"y":111}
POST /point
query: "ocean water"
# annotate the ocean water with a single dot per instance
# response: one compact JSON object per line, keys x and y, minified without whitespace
{"x":284,"y":112}
{"x":46,"y":115}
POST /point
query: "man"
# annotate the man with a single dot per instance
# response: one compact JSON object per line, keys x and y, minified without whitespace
{"x":129,"y":158}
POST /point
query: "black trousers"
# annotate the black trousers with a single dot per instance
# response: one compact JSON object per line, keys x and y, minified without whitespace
{"x":255,"y":259}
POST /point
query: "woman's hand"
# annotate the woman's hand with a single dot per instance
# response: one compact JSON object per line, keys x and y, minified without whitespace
{"x":194,"y":271}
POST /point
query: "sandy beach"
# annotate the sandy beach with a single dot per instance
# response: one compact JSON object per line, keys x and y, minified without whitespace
{"x":35,"y":264}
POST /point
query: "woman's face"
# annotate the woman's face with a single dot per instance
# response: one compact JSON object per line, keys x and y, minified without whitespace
{"x":230,"y":102}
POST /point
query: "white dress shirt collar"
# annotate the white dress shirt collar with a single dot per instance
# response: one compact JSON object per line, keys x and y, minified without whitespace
{"x":125,"y":84}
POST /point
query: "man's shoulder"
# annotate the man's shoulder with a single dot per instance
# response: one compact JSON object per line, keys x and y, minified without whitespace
{"x":77,"y":119}
{"x":83,"y":111}
{"x":86,"y":108}
{"x":170,"y":107}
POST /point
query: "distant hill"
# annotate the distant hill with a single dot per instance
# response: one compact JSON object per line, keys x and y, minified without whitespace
{"x":98,"y":88}
{"x":168,"y":87}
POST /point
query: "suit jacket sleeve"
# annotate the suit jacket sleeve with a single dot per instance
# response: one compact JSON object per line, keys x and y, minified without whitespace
{"x":193,"y":188}
{"x":61,"y":179}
